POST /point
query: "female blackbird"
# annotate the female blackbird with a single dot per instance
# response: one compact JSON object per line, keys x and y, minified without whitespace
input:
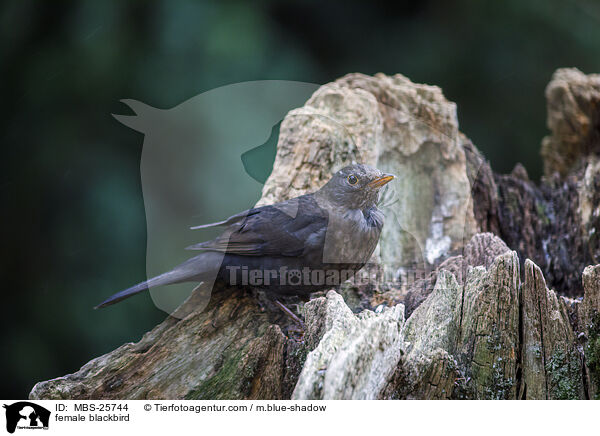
{"x":294,"y":247}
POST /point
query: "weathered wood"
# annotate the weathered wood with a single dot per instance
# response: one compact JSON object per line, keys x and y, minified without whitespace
{"x":574,"y":120}
{"x":589,"y":328}
{"x":552,"y":363}
{"x":473,"y":328}
{"x":230,"y":350}
{"x":369,"y":343}
{"x":553,"y":223}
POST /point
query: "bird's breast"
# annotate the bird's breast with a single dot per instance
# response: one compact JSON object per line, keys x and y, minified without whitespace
{"x":351,"y":237}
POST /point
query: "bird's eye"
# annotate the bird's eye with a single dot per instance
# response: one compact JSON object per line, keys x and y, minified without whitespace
{"x":352,"y":179}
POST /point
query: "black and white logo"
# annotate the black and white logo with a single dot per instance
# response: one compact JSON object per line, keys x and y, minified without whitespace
{"x":26,"y":415}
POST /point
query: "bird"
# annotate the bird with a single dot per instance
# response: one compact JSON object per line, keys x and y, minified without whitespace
{"x":293,"y":247}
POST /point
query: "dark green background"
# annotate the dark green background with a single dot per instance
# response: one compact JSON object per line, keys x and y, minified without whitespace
{"x":73,"y":225}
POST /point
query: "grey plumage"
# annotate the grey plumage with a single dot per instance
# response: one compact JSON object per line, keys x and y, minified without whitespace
{"x":334,"y":229}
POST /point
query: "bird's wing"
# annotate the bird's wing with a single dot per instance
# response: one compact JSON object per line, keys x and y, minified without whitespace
{"x":232,"y":219}
{"x":282,"y":229}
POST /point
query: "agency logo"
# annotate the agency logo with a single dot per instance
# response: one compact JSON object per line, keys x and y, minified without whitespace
{"x":26,"y":415}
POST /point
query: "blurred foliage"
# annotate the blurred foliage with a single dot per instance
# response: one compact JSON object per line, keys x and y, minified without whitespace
{"x":73,"y":227}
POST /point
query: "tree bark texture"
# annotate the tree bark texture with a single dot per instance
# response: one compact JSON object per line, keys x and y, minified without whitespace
{"x":506,"y":301}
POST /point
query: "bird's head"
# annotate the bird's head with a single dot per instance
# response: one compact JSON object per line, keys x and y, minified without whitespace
{"x":356,"y":186}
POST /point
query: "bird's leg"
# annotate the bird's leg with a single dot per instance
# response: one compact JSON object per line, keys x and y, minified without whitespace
{"x":291,"y":314}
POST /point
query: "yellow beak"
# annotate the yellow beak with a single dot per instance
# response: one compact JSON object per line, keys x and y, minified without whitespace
{"x":380,"y":181}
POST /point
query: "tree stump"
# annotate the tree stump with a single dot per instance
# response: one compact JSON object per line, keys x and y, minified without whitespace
{"x":483,"y":265}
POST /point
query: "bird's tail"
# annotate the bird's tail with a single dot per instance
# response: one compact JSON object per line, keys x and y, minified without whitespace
{"x":167,"y":278}
{"x":199,"y":268}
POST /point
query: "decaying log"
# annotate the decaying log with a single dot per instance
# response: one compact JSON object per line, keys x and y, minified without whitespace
{"x":230,"y":350}
{"x":480,"y":265}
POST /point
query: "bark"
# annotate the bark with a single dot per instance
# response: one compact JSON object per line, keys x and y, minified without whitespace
{"x":475,"y":269}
